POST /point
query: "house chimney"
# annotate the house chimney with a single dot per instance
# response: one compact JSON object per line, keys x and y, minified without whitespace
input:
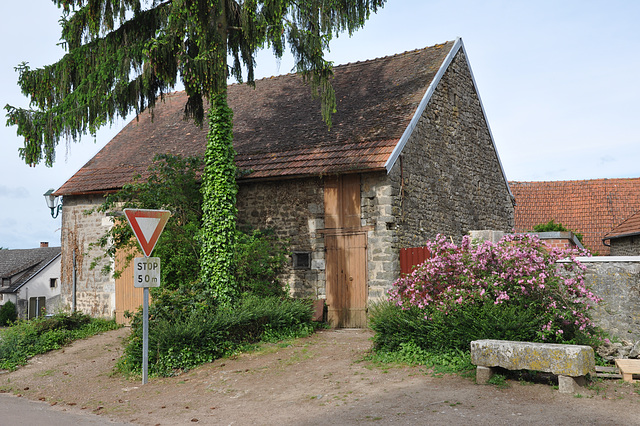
{"x":44,"y":244}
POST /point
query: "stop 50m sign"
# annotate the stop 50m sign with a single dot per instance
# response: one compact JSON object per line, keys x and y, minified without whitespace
{"x":146,"y":272}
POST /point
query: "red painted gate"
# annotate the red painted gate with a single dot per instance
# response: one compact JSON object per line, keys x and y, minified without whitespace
{"x":411,"y":257}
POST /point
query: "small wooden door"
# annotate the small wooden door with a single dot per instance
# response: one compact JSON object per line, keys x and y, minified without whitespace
{"x":128,"y":297}
{"x":346,"y":279}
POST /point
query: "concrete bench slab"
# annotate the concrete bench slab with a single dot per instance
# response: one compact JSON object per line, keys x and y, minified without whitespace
{"x":569,"y":362}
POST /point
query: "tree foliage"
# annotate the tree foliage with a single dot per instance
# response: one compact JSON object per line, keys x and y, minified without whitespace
{"x":552,"y":226}
{"x":122,"y":55}
{"x":8,"y":313}
{"x":171,"y":184}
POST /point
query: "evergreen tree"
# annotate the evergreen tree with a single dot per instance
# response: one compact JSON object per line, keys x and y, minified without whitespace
{"x":124,"y":54}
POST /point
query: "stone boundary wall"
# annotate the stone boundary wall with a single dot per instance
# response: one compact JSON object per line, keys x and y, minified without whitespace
{"x":616,"y":280}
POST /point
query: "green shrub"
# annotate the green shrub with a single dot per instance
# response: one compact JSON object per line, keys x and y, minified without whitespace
{"x":552,"y":226}
{"x":26,"y":339}
{"x":260,"y":259}
{"x":514,"y":290}
{"x":61,"y":321}
{"x":394,"y":326}
{"x":177,"y":344}
{"x":8,"y":313}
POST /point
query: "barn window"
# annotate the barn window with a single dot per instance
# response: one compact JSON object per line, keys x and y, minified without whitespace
{"x":301,"y":260}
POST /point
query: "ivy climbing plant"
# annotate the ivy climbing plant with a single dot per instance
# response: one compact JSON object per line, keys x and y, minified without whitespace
{"x":123,"y":55}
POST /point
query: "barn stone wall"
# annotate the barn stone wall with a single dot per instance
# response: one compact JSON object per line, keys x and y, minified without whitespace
{"x":95,"y":291}
{"x":380,"y":213}
{"x":294,"y":210}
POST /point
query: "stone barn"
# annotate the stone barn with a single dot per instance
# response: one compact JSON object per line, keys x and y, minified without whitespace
{"x":410,"y":155}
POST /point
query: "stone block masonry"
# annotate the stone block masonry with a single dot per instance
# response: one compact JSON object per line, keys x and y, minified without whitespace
{"x":95,"y":292}
{"x":616,"y":280}
{"x":448,"y":179}
{"x":294,"y":210}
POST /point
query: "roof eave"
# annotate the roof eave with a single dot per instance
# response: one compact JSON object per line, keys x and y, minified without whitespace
{"x":628,"y":234}
{"x":310,"y":175}
{"x":92,"y":192}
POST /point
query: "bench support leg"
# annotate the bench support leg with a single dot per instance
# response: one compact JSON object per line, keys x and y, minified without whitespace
{"x":483,"y":374}
{"x":567,"y":384}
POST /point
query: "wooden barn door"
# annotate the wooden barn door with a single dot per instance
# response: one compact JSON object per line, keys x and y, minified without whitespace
{"x":128,"y":298}
{"x":347,"y":280}
{"x":346,"y":253}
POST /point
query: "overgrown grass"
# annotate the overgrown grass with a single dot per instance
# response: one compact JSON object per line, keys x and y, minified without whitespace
{"x":26,"y":339}
{"x":439,"y":361}
{"x":179,"y":344}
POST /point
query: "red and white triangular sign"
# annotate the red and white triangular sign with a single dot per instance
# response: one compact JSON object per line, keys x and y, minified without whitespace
{"x":147,"y":225}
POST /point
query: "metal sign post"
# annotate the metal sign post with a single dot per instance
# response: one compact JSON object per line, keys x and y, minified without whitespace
{"x":146,"y":273}
{"x":147,"y":225}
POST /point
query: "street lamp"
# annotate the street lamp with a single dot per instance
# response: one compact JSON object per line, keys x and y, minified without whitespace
{"x":52,"y":203}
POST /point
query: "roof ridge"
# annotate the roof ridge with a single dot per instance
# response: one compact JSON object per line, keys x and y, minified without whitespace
{"x":574,"y":180}
{"x":356,"y":63}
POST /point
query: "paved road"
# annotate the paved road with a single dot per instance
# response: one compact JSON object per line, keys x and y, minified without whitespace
{"x":16,"y":411}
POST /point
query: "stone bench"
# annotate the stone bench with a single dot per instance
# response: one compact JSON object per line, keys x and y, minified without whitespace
{"x":569,"y":362}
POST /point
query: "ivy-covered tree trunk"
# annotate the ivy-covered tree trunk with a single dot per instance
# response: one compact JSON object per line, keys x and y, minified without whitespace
{"x":219,"y":190}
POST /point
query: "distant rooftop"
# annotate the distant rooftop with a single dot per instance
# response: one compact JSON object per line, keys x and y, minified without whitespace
{"x":590,"y":207}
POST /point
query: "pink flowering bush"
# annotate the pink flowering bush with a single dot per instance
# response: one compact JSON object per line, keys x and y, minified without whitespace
{"x":512,"y":290}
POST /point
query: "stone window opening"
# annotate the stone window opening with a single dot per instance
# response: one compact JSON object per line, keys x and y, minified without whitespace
{"x":301,"y":260}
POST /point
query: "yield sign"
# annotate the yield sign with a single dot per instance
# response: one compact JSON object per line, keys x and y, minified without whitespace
{"x":147,"y":225}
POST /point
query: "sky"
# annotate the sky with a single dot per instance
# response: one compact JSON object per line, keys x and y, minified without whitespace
{"x":558,"y":81}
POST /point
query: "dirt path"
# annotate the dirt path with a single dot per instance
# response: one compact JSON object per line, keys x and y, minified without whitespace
{"x":319,"y":380}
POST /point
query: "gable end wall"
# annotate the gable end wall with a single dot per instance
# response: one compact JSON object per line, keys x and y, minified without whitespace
{"x":448,"y":179}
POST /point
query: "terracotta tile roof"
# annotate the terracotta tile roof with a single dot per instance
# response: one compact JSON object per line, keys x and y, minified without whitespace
{"x":278,"y":129}
{"x":629,"y":227}
{"x":590,"y":207}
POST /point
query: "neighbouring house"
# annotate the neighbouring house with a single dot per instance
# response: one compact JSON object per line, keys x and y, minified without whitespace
{"x":410,"y":155}
{"x":624,"y":239}
{"x":31,"y":279}
{"x":590,"y":207}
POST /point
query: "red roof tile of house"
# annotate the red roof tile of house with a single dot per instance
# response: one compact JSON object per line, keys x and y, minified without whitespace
{"x":590,"y":207}
{"x":278,"y":128}
{"x":629,"y":227}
